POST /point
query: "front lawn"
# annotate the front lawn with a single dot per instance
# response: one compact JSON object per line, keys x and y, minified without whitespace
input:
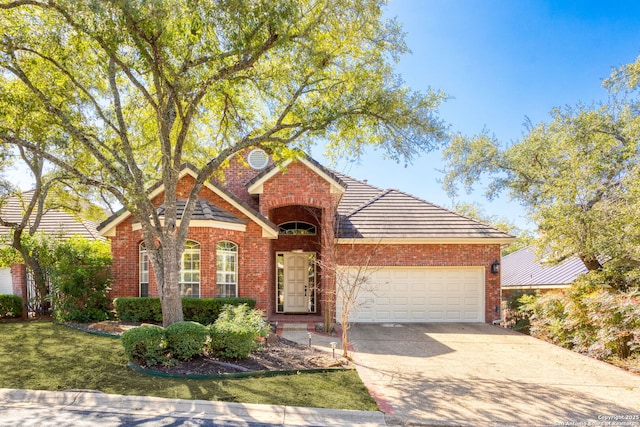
{"x":47,"y":356}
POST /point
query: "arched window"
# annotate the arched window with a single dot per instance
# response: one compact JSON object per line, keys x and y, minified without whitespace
{"x":297,"y":228}
{"x":227,"y":269}
{"x":143,"y":270}
{"x":190,"y":270}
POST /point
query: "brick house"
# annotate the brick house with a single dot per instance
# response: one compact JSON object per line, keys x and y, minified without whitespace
{"x":271,"y":232}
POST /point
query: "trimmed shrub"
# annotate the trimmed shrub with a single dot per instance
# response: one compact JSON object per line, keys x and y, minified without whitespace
{"x":148,"y":309}
{"x":145,"y":345}
{"x":10,"y":306}
{"x":138,"y":309}
{"x":185,"y":339}
{"x":234,"y":334}
{"x":207,"y":310}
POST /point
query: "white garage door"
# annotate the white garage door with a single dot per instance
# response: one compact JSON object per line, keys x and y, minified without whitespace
{"x":6,"y":286}
{"x":421,"y":295}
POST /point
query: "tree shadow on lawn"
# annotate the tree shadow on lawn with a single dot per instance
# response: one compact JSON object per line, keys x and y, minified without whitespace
{"x":45,"y":356}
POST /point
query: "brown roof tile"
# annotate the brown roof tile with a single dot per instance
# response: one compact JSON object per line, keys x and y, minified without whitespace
{"x":369,"y":212}
{"x":54,"y":222}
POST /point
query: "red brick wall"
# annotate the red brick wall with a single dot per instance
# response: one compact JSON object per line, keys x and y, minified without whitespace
{"x":432,"y":256}
{"x":287,"y":196}
{"x":290,"y":195}
{"x":254,"y":266}
{"x":236,"y":174}
{"x":19,"y":280}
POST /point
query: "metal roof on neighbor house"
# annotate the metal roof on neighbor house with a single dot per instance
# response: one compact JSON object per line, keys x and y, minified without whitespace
{"x":369,"y":212}
{"x":523,"y":269}
{"x":54,"y":222}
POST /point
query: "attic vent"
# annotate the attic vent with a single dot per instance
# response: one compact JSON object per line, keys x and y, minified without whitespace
{"x":258,"y":159}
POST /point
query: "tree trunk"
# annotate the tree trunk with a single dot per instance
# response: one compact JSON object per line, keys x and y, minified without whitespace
{"x":592,"y":264}
{"x":169,"y":287}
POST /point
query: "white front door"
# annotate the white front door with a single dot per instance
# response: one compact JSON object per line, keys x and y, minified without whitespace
{"x":296,"y":282}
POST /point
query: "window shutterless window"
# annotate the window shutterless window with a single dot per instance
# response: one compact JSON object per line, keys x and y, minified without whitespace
{"x":190,"y":270}
{"x":143,"y":271}
{"x":227,"y":269}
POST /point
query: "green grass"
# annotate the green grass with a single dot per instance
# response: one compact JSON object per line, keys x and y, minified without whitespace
{"x":47,"y":356}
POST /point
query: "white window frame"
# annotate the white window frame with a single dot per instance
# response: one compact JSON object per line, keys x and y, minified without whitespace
{"x":226,"y":269}
{"x":190,"y":270}
{"x":143,"y":269}
{"x":299,"y":228}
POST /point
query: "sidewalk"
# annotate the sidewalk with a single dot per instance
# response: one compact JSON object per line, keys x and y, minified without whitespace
{"x":91,"y":408}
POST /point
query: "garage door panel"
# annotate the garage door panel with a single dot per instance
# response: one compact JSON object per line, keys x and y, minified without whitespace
{"x":423,"y":295}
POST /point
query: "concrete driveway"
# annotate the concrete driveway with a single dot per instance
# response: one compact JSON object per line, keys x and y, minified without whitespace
{"x":481,"y":375}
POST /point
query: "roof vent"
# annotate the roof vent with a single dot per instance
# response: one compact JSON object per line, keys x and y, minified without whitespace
{"x":258,"y":159}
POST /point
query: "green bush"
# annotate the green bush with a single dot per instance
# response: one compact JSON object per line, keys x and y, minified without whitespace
{"x":515,"y":318}
{"x":145,"y":345}
{"x":234,"y":334}
{"x":148,"y":309}
{"x":185,"y":339}
{"x":10,"y":306}
{"x":207,"y":310}
{"x":588,"y":318}
{"x":547,"y":315}
{"x":138,"y":309}
{"x":80,"y":280}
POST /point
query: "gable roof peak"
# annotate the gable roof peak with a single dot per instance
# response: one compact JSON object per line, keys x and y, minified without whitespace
{"x":255,"y":185}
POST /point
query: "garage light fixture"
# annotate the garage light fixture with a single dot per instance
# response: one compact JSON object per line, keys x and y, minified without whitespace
{"x":495,"y":267}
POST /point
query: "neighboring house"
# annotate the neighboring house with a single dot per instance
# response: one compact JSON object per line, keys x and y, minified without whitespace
{"x":523,"y":271}
{"x":272,"y":232}
{"x":53,"y":222}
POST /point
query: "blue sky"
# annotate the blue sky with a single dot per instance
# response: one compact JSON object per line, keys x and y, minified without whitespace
{"x":502,"y":61}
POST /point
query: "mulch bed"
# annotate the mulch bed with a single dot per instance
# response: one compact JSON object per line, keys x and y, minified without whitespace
{"x":276,"y":354}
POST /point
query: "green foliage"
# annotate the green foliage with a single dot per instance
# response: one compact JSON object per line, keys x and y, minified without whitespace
{"x":524,"y":238}
{"x":515,"y":317}
{"x":80,"y":280}
{"x":198,"y":81}
{"x":145,"y":345}
{"x":234,"y":335}
{"x":148,"y":309}
{"x":138,"y":309}
{"x":10,"y":306}
{"x":589,"y":318}
{"x":576,"y":174}
{"x":547,"y":315}
{"x":207,"y":310}
{"x":185,"y":339}
{"x":48,"y":356}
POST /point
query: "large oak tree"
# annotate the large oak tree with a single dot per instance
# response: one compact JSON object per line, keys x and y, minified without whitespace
{"x":578,"y":175}
{"x":134,"y":88}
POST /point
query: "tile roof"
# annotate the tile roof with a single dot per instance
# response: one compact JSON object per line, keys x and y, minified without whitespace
{"x":366,"y":211}
{"x":54,"y":222}
{"x":204,"y":210}
{"x":212,"y":211}
{"x":522,"y":268}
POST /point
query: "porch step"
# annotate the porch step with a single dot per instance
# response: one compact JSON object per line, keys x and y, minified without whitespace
{"x":294,"y":326}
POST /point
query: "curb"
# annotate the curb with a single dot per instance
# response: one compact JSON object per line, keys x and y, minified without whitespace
{"x":220,"y":412}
